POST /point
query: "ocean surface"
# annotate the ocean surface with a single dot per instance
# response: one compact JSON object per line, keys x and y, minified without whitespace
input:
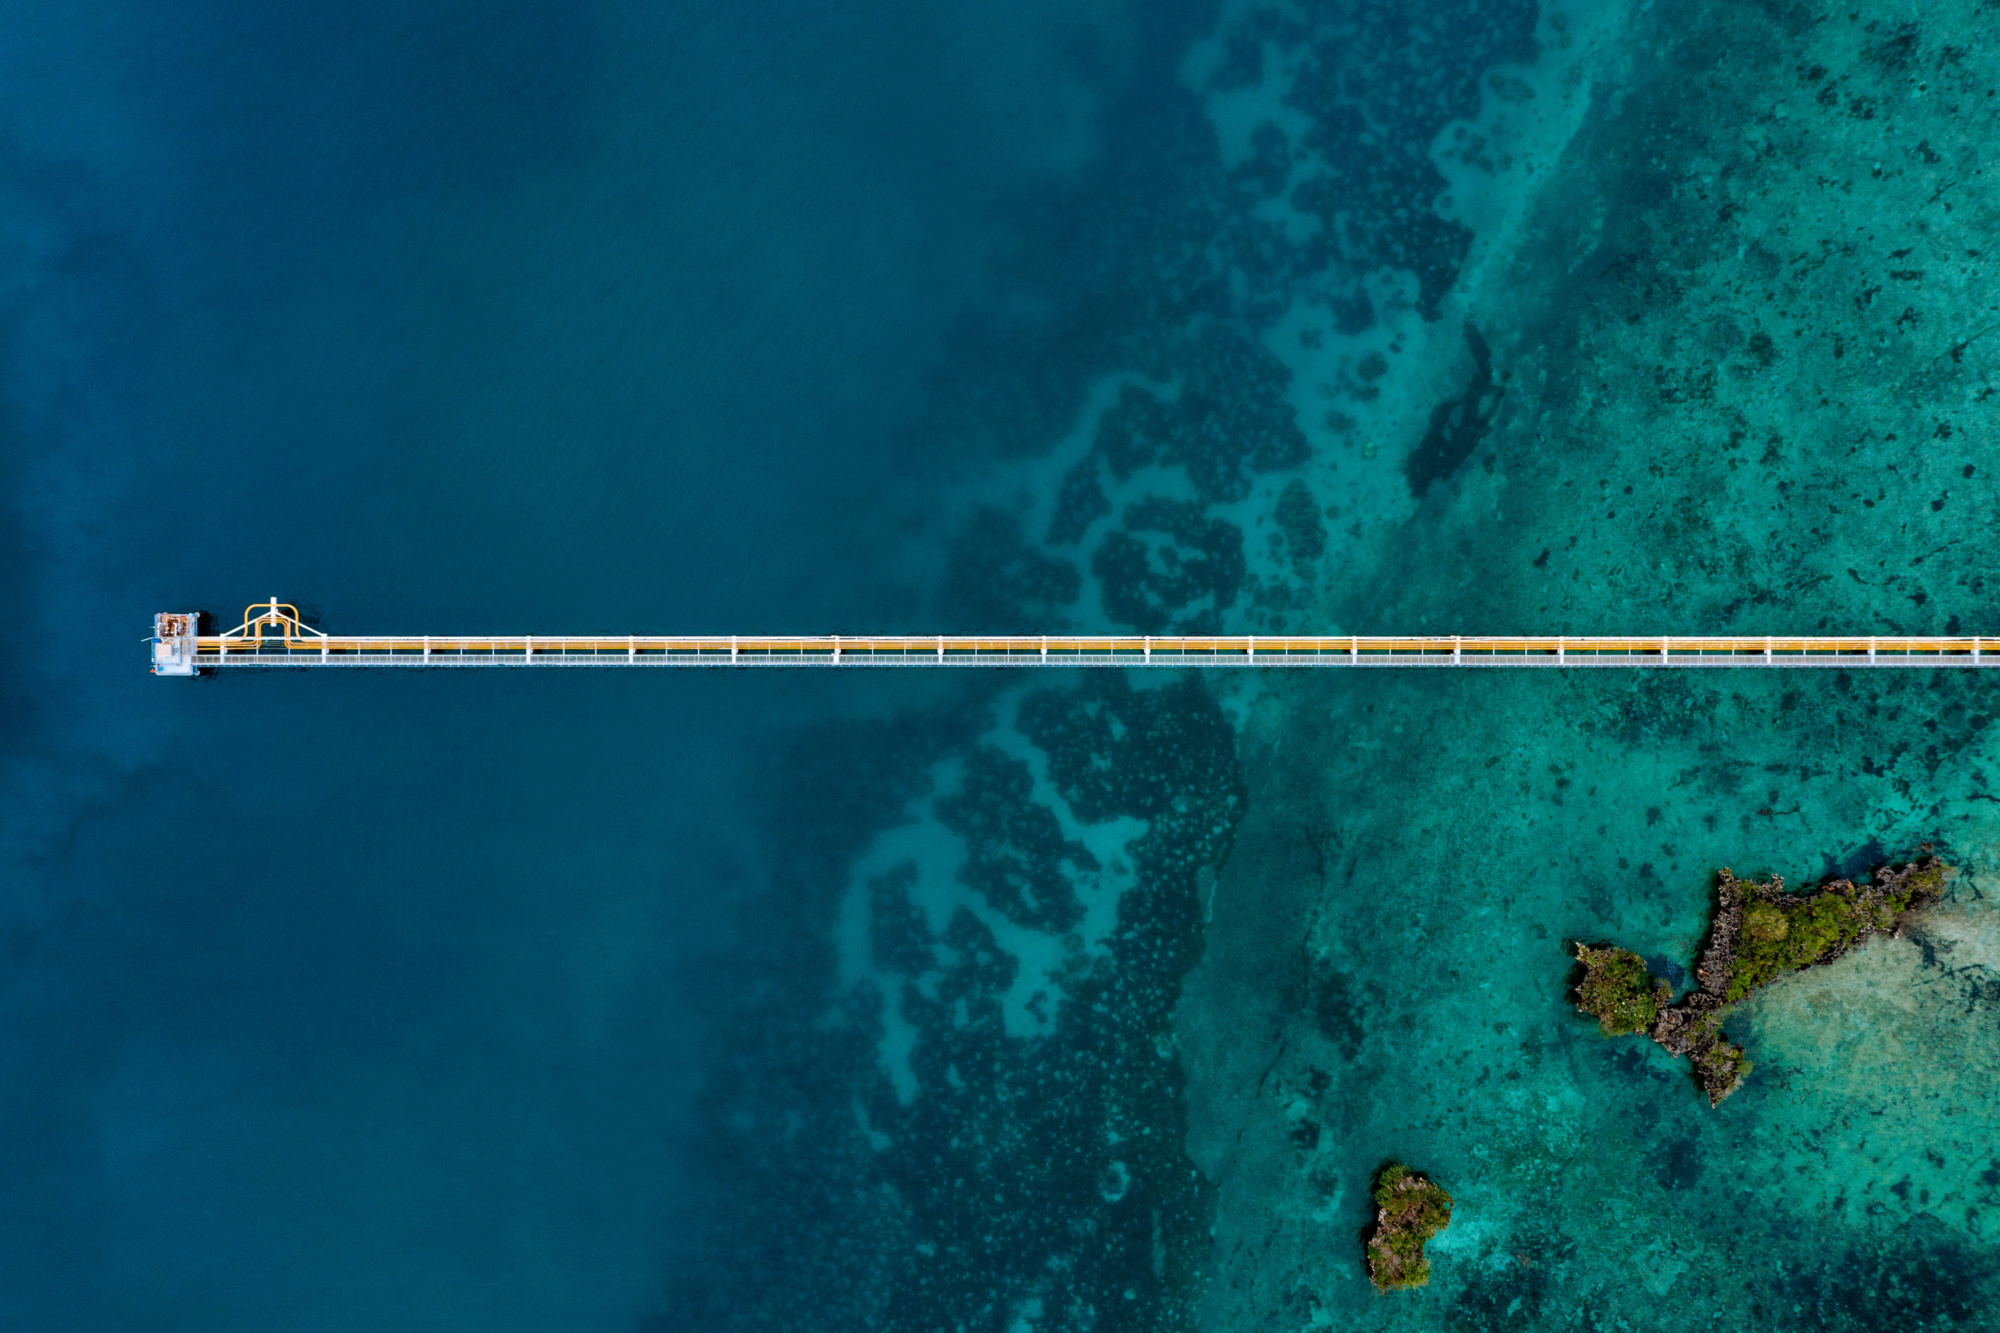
{"x":983,"y":1001}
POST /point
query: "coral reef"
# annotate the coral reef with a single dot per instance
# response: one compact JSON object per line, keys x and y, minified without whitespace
{"x":1759,"y":933}
{"x":1409,"y":1210}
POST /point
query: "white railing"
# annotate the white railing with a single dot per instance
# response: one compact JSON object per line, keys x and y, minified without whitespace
{"x":178,"y":650}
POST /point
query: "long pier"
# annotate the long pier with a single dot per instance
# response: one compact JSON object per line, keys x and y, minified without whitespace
{"x":272,"y":636}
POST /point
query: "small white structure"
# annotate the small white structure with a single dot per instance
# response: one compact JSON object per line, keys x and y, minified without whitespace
{"x":174,"y":643}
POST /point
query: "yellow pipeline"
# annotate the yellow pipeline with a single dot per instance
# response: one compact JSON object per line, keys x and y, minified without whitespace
{"x":272,"y":635}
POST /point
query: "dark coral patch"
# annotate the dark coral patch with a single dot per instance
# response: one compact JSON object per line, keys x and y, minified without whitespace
{"x":1017,"y":857}
{"x":1230,"y":419}
{"x":996,"y":582}
{"x":1170,"y":566}
{"x":1923,"y":1278}
{"x":1457,"y":426}
{"x":1297,"y":516}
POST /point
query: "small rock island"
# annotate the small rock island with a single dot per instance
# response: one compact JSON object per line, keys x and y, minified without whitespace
{"x":1759,"y":933}
{"x":1409,"y":1210}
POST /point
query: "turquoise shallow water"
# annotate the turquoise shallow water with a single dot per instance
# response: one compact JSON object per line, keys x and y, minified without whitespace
{"x":998,"y":1003}
{"x":1712,"y":413}
{"x":1423,"y":1016}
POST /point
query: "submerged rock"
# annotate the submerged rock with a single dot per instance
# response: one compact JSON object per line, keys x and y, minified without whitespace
{"x":1758,"y":934}
{"x":1409,"y":1210}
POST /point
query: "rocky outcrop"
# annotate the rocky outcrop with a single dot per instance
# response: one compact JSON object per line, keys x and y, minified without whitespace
{"x":1759,"y":933}
{"x":1619,"y":992}
{"x":1409,"y":1210}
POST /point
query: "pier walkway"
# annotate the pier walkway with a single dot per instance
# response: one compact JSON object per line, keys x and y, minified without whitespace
{"x":272,"y":636}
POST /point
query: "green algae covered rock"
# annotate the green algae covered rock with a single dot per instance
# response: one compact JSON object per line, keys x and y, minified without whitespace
{"x":1759,"y":933}
{"x":1782,"y":932}
{"x":1618,"y":992}
{"x":1409,"y":1210}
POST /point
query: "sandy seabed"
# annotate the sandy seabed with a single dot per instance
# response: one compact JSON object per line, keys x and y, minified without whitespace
{"x":1746,"y":353}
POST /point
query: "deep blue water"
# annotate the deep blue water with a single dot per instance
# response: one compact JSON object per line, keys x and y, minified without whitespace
{"x":367,"y":1003}
{"x":654,"y":1001}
